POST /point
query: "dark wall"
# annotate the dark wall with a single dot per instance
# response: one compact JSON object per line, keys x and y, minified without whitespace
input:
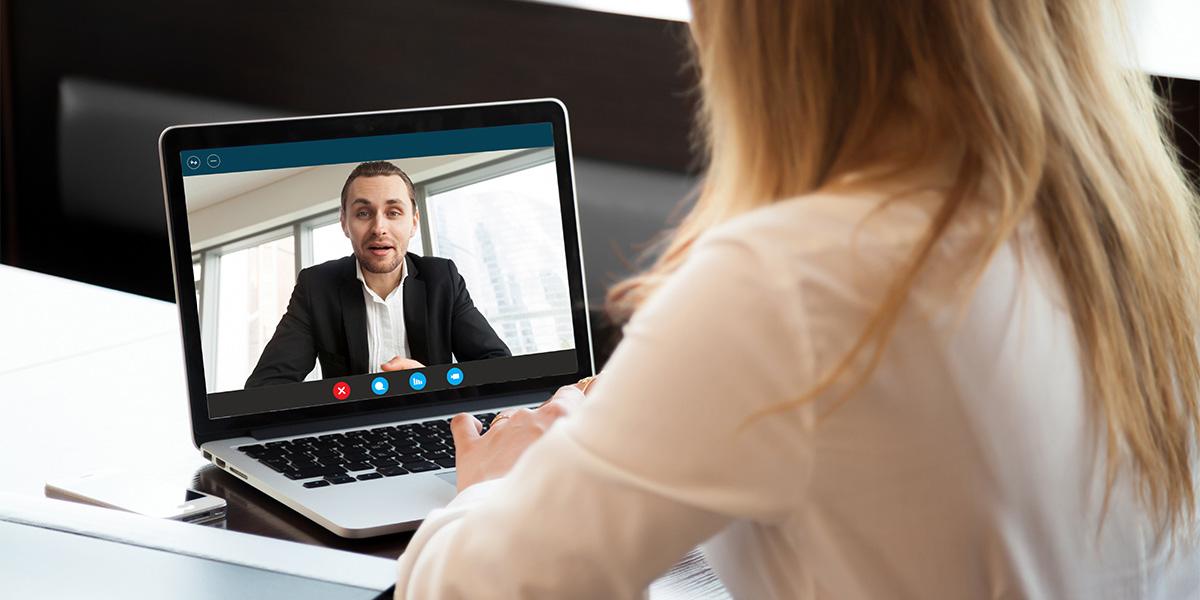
{"x":1183,"y":99}
{"x":623,"y":79}
{"x":82,"y":83}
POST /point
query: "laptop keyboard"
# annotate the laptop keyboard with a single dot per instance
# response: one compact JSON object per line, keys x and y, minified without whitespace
{"x":362,"y":455}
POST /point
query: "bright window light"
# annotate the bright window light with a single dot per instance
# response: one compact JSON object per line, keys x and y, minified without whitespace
{"x":1163,"y":31}
{"x":670,"y":10}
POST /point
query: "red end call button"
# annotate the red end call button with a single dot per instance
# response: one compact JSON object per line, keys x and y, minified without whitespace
{"x":341,"y":390}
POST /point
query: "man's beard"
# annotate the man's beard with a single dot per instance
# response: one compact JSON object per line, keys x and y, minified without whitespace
{"x":378,"y":264}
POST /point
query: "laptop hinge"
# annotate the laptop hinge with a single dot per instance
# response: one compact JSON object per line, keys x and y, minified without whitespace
{"x":407,"y":414}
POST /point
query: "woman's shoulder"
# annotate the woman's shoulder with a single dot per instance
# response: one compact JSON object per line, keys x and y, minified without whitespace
{"x":822,"y":224}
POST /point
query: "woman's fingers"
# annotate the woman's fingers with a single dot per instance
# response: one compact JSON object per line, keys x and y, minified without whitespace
{"x":586,"y":382}
{"x":565,"y":400}
{"x":465,"y":428}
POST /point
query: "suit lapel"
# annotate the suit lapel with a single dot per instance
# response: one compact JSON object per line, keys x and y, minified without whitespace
{"x":354,"y":321}
{"x":415,"y":321}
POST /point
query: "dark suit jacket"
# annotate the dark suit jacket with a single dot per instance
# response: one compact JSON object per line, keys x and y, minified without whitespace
{"x":326,"y":320}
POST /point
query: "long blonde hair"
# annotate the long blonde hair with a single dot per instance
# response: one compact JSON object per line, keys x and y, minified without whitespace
{"x":1043,"y":107}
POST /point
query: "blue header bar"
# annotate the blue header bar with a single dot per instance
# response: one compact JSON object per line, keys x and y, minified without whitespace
{"x":361,"y":149}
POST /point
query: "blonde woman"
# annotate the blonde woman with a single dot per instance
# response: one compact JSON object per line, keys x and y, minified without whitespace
{"x":929,"y":332}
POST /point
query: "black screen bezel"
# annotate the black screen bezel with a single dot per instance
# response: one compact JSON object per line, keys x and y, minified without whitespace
{"x":175,"y":140}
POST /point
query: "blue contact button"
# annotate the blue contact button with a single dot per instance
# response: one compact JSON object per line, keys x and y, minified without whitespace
{"x":416,"y":381}
{"x":379,"y":385}
{"x":454,"y":376}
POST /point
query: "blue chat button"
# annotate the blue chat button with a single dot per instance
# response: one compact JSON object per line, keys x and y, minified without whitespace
{"x":379,"y":386}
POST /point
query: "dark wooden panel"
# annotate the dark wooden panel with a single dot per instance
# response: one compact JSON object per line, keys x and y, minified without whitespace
{"x":623,"y":79}
{"x":621,"y":76}
{"x":1183,"y":99}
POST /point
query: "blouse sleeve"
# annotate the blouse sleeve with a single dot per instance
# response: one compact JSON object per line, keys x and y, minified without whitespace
{"x":666,"y":451}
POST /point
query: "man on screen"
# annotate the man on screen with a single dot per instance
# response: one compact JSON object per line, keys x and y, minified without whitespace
{"x":382,"y":309}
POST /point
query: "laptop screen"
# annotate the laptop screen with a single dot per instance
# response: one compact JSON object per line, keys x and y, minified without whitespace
{"x":377,"y":267}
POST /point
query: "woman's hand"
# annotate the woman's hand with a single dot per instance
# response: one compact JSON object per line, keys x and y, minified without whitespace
{"x":491,"y":455}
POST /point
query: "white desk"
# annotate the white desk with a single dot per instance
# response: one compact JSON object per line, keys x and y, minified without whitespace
{"x":81,"y":367}
{"x":92,"y":378}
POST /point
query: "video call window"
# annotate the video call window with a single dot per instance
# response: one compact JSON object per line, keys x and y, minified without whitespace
{"x":495,"y":214}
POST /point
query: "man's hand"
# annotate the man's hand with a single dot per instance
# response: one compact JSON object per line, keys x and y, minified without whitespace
{"x":400,"y":364}
{"x":483,"y":457}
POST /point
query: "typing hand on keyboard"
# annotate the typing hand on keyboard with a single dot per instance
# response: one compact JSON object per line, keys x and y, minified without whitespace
{"x":480,"y":457}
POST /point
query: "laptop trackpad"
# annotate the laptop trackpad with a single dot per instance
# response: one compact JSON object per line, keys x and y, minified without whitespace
{"x":451,"y":478}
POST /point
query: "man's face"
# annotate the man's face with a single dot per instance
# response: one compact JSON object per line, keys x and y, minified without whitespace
{"x":379,"y":218}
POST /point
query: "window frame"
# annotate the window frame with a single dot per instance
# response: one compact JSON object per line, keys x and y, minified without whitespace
{"x":505,"y":165}
{"x":210,"y":286}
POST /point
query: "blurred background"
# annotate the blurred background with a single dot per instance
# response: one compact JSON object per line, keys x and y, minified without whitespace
{"x":86,"y":87}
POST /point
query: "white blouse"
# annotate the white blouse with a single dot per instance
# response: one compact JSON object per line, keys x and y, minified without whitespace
{"x":969,"y":464}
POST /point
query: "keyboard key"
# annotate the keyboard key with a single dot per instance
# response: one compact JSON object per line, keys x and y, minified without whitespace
{"x":277,"y":465}
{"x":314,"y":472}
{"x":366,"y":476}
{"x":316,"y":484}
{"x":392,"y":471}
{"x":388,"y":451}
{"x":420,"y":467}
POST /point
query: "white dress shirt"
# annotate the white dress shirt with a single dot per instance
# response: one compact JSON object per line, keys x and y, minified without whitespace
{"x":387,"y":337}
{"x":968,"y":465}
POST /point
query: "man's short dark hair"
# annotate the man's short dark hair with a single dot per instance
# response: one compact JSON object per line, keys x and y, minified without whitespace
{"x":379,"y":168}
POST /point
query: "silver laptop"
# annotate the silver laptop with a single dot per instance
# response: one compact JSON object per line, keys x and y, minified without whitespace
{"x":347,"y":283}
